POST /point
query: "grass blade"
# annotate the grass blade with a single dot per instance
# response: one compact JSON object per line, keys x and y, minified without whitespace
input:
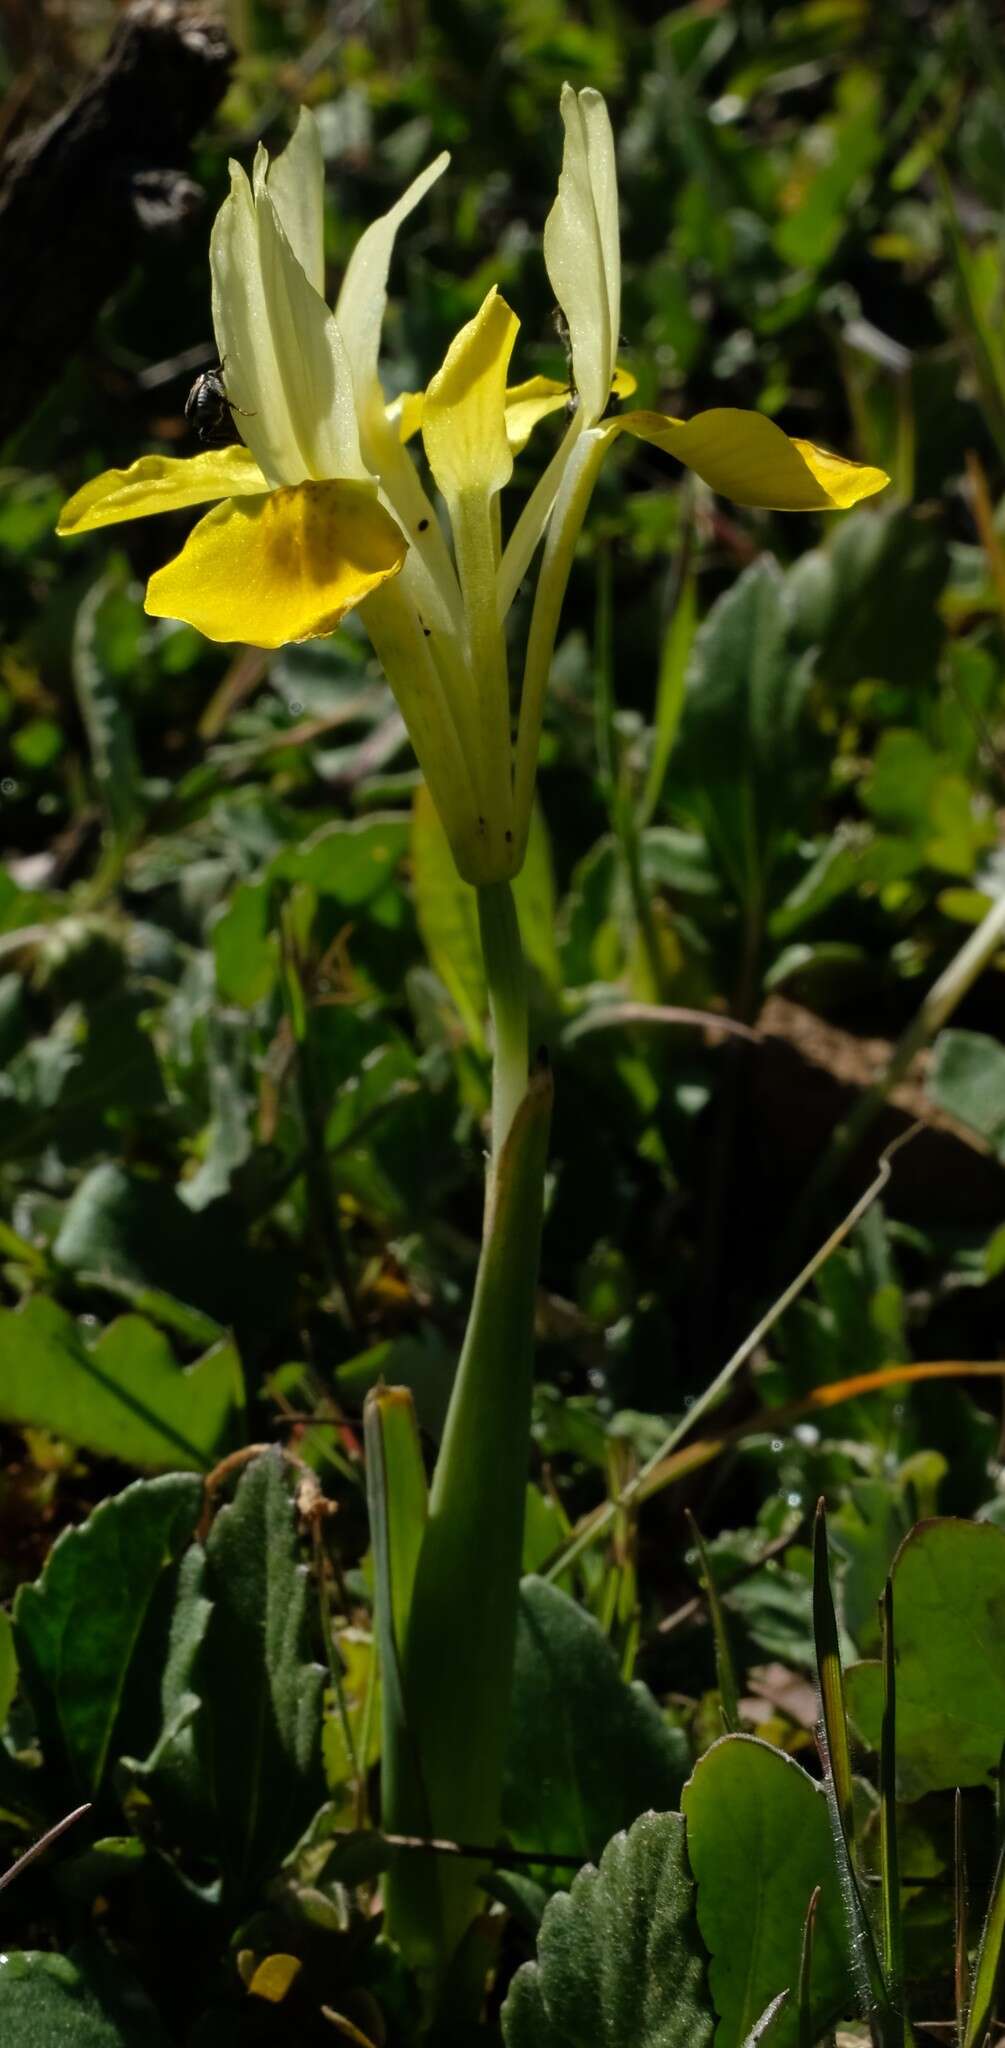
{"x":961,"y":1962}
{"x":806,"y":2028}
{"x":987,"y":1968}
{"x":831,"y":1677}
{"x":761,"y":2028}
{"x":889,"y":1859}
{"x":724,"y":1672}
{"x":867,"y":1969}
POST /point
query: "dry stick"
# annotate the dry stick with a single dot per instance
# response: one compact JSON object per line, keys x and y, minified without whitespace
{"x":942,"y":999}
{"x":602,"y":1517}
{"x":38,"y":1848}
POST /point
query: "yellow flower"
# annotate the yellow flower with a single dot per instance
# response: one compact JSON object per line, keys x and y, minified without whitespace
{"x":300,"y":536}
{"x":323,"y":507}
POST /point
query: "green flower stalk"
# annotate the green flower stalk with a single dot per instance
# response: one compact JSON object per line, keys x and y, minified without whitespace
{"x":322,"y":508}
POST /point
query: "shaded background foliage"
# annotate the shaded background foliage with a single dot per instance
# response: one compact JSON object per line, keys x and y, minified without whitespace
{"x":244,"y":1073}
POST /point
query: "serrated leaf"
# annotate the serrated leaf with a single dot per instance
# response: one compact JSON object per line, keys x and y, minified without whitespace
{"x":758,"y":1829}
{"x":83,"y":2000}
{"x":122,"y":1397}
{"x":259,"y":1728}
{"x":587,"y":1752}
{"x":619,"y":1960}
{"x":80,"y":1630}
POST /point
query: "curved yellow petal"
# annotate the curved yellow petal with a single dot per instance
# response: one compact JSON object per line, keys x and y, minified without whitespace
{"x":405,"y":413}
{"x":285,"y":566}
{"x":529,"y":402}
{"x":464,"y":415}
{"x":747,"y":458}
{"x":161,"y":483}
{"x":533,"y":400}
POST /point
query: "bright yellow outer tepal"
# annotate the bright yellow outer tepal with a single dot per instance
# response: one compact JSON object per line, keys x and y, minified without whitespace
{"x":747,"y":458}
{"x":161,"y":483}
{"x":464,"y":414}
{"x":284,"y":566}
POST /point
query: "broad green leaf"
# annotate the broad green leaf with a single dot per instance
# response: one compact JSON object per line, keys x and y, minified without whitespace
{"x":122,"y":1396}
{"x":758,"y":1830}
{"x":259,"y":1729}
{"x":967,"y":1078}
{"x":244,"y":946}
{"x":136,"y":1230}
{"x":353,"y":862}
{"x":949,"y":1597}
{"x":82,"y":1631}
{"x":587,"y":1752}
{"x":741,"y":761}
{"x":619,"y":1962}
{"x":80,"y":2000}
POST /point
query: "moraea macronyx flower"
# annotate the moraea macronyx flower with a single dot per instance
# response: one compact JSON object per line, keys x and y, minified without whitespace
{"x":322,"y":507}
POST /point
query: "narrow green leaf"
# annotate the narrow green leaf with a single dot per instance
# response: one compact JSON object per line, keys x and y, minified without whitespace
{"x":870,"y":1981}
{"x":8,"y":1667}
{"x":831,"y":1679}
{"x":674,"y":656}
{"x":762,"y":2028}
{"x":619,"y":1960}
{"x":725,"y":1675}
{"x":398,"y":1504}
{"x":80,"y":1630}
{"x":961,"y":1956}
{"x":123,"y":1396}
{"x":987,"y":1969}
{"x":889,"y":1861}
{"x":806,"y":2031}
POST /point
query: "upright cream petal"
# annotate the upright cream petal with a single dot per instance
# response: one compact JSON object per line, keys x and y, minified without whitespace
{"x":361,"y":302}
{"x":286,"y":566}
{"x":310,"y":355}
{"x":296,"y":182}
{"x":245,"y":340}
{"x":464,"y":416}
{"x":582,"y":247}
{"x":161,"y":483}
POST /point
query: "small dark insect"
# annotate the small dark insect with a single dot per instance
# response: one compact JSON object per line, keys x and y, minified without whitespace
{"x":210,"y":411}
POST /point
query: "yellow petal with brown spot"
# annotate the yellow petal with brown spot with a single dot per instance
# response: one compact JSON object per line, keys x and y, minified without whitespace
{"x":282,"y":567}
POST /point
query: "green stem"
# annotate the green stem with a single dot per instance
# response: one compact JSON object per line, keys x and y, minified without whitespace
{"x":507,"y":986}
{"x":459,"y":1643}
